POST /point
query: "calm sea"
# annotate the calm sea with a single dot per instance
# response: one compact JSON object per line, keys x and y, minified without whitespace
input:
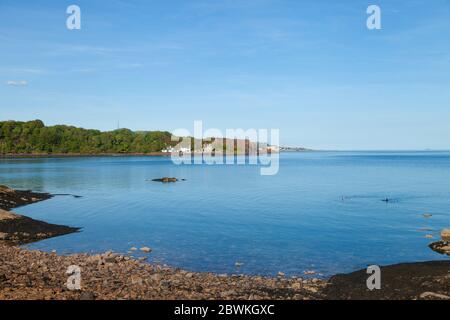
{"x":322,"y":212}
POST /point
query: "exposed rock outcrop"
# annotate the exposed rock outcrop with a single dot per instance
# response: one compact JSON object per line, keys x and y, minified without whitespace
{"x":18,"y":229}
{"x":10,"y":198}
{"x":166,"y":180}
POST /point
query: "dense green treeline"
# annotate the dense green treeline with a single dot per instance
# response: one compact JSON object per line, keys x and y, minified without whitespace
{"x":34,"y":137}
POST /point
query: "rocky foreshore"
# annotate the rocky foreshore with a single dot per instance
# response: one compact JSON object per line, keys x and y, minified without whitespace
{"x":10,"y":198}
{"x":18,"y":229}
{"x":38,"y":275}
{"x":407,"y":281}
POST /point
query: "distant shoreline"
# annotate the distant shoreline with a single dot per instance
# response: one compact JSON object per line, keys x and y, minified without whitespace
{"x":94,"y":155}
{"x":164,"y":154}
{"x":79,"y":155}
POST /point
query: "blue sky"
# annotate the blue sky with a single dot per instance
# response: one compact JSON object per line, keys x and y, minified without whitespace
{"x":310,"y":68}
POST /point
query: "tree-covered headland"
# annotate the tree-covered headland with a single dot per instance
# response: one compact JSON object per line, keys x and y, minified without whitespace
{"x":33,"y":137}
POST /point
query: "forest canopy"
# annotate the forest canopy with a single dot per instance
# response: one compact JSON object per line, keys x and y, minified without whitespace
{"x":33,"y":137}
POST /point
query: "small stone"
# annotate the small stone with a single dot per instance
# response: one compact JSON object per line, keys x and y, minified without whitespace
{"x":281,"y":274}
{"x":155,"y":277}
{"x":135,"y":280}
{"x":296,"y":286}
{"x":87,"y":295}
{"x":434,"y":296}
{"x":146,"y":249}
{"x":427,"y":215}
{"x":445,"y":234}
{"x":133,"y":249}
{"x":311,"y":289}
{"x":429,"y":236}
{"x":228,"y":294}
{"x":309,"y":272}
{"x":4,"y":236}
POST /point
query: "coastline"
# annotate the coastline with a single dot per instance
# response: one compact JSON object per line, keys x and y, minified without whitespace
{"x":27,"y":274}
{"x":81,"y":155}
{"x":151,"y":154}
{"x":18,"y":229}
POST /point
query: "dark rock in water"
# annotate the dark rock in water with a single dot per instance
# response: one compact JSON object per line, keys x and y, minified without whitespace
{"x":10,"y":198}
{"x":166,"y":180}
{"x":407,"y":281}
{"x":17,"y":229}
{"x":390,"y":200}
{"x":442,"y":247}
{"x":67,"y":195}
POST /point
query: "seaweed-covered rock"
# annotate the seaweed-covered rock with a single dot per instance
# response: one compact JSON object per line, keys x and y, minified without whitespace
{"x":10,"y":198}
{"x":166,"y":180}
{"x":442,"y":247}
{"x":18,"y":229}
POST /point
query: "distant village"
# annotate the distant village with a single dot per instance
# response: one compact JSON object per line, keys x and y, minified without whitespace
{"x":209,"y":149}
{"x":253,"y":148}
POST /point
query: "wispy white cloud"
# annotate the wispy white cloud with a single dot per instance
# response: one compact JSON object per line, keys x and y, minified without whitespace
{"x":87,"y":49}
{"x":29,"y":70}
{"x":23,"y":70}
{"x":14,"y":83}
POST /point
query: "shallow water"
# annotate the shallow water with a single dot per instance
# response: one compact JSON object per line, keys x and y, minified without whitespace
{"x":322,"y":212}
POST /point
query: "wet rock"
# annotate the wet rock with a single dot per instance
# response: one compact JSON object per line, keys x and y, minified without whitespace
{"x":442,"y":247}
{"x":19,"y":229}
{"x":166,"y":180}
{"x":309,"y":272}
{"x":445,"y":234}
{"x":10,"y":198}
{"x":146,"y":249}
{"x":434,"y":296}
{"x":406,"y":281}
